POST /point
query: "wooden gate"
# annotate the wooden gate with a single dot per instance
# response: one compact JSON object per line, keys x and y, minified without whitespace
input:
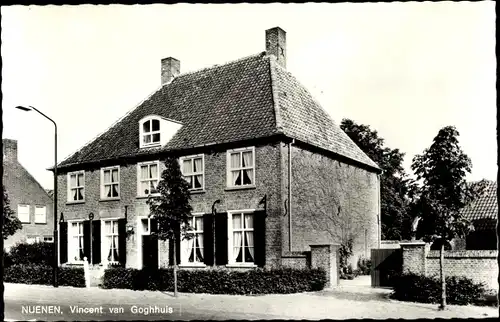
{"x":386,"y":264}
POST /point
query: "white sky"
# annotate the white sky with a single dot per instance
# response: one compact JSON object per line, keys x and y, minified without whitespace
{"x":405,"y":69}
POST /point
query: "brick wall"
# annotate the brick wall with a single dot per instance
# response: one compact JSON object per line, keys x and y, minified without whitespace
{"x":267,"y":160}
{"x":479,"y":265}
{"x":330,"y":199}
{"x":23,"y":189}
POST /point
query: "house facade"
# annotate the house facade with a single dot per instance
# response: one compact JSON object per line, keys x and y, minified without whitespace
{"x":270,"y":172}
{"x":28,"y":199}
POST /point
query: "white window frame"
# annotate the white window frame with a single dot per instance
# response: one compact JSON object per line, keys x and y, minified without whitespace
{"x":229,"y":169}
{"x":150,"y":119}
{"x":32,"y":239}
{"x":111,"y":183}
{"x":24,"y":220}
{"x":193,"y":174}
{"x":71,"y":251}
{"x":104,"y":236}
{"x":231,"y":261}
{"x":139,"y":165}
{"x":38,"y":214}
{"x":70,"y":198}
{"x":185,"y":261}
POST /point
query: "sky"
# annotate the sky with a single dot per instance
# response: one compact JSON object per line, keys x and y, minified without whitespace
{"x":405,"y":69}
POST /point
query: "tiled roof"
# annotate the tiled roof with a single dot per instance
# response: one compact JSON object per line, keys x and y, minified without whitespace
{"x":483,"y":213}
{"x":246,"y":99}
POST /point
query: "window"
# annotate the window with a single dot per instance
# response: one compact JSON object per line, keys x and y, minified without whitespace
{"x":241,"y":247}
{"x":192,"y":249}
{"x":110,"y":183}
{"x":241,"y":167}
{"x":150,"y":132}
{"x":40,"y":215}
{"x":76,"y":241}
{"x":32,"y":239}
{"x":192,"y":170}
{"x":145,"y":226}
{"x":76,"y":186}
{"x":148,"y":178}
{"x":23,"y":213}
{"x":48,"y":239}
{"x":111,"y":240}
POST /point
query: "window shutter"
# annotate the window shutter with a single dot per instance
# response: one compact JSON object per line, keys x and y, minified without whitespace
{"x":208,"y":239}
{"x":96,"y":241}
{"x":86,"y":239}
{"x":153,"y":243}
{"x":122,"y":241}
{"x":221,"y":238}
{"x":63,"y":242}
{"x":260,"y":237}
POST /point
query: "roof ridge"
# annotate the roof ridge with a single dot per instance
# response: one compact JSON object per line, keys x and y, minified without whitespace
{"x":217,"y":66}
{"x":274,"y":84}
{"x":111,"y":126}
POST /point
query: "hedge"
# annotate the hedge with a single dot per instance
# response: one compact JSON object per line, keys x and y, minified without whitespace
{"x":30,"y":254}
{"x":218,"y":281}
{"x":42,"y":274}
{"x":424,"y":289}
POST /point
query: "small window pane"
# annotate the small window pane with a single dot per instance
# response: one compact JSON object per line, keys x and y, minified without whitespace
{"x":247,"y":159}
{"x":237,"y":221}
{"x":186,"y":166}
{"x":247,"y":176}
{"x":156,"y":125}
{"x":199,"y":223}
{"x":248,"y":221}
{"x":146,"y":127}
{"x":197,"y":181}
{"x":147,"y":138}
{"x":156,"y":137}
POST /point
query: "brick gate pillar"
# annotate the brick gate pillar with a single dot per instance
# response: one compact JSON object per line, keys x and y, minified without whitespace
{"x":327,"y":258}
{"x":414,"y":257}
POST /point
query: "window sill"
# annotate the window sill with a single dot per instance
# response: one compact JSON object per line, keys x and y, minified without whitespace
{"x":192,"y":265}
{"x":240,"y":188}
{"x":244,"y":265}
{"x":146,"y":197}
{"x":109,"y":199}
{"x":196,"y":192}
{"x":40,"y":223}
{"x":75,"y":202}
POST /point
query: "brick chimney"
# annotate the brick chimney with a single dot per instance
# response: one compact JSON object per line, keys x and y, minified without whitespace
{"x":276,"y":44}
{"x":170,"y":68}
{"x":9,"y":150}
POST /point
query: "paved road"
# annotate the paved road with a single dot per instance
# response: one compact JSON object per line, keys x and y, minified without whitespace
{"x":345,"y":302}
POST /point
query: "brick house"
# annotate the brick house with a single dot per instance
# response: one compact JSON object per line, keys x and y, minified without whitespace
{"x":28,"y":199}
{"x":269,"y":170}
{"x":483,"y":215}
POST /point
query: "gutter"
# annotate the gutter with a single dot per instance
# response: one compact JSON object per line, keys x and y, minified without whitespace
{"x":379,"y":219}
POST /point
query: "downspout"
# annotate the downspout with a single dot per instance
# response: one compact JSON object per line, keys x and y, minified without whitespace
{"x":290,"y":194}
{"x":379,"y":212}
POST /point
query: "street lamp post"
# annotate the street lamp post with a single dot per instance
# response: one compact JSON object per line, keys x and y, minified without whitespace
{"x":56,"y":241}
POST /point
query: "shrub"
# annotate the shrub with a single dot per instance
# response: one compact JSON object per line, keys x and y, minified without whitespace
{"x":218,"y":281}
{"x":364,"y":266}
{"x":424,"y":289}
{"x":30,"y":254}
{"x":42,"y":274}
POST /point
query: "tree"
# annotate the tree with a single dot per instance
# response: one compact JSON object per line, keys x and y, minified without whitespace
{"x":441,"y":170}
{"x":11,"y":223}
{"x":171,"y":208}
{"x":395,"y":185}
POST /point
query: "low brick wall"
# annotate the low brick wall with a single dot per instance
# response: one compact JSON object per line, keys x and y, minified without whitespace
{"x":479,"y":265}
{"x":389,"y":244}
{"x":296,"y":260}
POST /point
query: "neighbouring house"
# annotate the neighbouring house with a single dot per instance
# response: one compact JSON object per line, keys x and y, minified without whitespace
{"x":28,"y":199}
{"x":270,"y":172}
{"x":483,"y":215}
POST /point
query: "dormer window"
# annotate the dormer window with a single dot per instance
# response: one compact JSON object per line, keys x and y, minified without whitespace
{"x":150,"y":135}
{"x":156,"y":131}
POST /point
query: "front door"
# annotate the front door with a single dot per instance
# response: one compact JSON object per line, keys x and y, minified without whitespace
{"x":149,"y":244}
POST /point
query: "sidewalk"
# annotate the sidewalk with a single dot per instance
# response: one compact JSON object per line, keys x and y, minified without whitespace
{"x":340,"y":303}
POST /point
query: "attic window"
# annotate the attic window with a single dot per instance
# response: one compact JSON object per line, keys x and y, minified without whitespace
{"x":150,"y":132}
